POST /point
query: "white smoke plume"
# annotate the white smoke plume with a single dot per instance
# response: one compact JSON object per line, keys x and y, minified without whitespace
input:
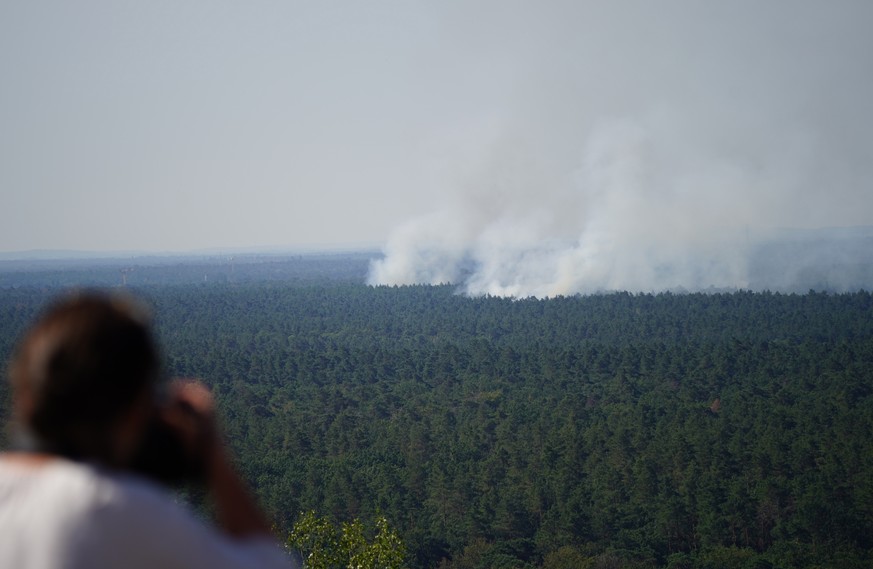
{"x":662,"y":156}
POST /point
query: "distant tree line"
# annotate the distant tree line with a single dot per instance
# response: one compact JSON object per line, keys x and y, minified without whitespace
{"x":150,"y":271}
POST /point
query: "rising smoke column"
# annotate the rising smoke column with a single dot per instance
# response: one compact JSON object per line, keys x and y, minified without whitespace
{"x":613,"y":170}
{"x":615,"y":222}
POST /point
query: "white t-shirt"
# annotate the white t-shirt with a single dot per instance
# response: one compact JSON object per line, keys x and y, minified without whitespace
{"x":67,"y":515}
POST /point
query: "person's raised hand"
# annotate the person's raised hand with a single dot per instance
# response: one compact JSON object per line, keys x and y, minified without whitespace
{"x":190,"y":411}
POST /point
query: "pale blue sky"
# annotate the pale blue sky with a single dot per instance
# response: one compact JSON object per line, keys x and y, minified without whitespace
{"x":179,"y":125}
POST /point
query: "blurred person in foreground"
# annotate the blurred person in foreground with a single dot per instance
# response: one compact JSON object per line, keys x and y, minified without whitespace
{"x":94,"y":428}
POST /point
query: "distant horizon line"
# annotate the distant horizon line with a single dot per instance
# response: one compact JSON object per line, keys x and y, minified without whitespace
{"x":57,"y":254}
{"x":85,"y":254}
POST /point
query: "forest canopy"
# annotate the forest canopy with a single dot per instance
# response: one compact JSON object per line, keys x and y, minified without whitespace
{"x":626,"y":430}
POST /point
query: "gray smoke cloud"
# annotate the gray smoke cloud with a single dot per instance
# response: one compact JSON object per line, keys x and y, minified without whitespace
{"x":654,"y":146}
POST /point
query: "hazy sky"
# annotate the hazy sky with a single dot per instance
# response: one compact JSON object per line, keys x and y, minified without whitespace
{"x":186,"y":124}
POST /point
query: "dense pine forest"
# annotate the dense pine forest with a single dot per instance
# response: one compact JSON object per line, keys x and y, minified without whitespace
{"x":614,"y":430}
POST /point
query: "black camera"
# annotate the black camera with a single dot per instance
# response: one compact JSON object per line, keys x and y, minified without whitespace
{"x":164,"y":456}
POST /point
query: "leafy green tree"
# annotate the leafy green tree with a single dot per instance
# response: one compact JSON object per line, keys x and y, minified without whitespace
{"x":326,"y":546}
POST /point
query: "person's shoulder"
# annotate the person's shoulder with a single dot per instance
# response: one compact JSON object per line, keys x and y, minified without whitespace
{"x":124,"y":512}
{"x":43,"y":474}
{"x":86,"y":486}
{"x":60,"y":497}
{"x":125,"y":490}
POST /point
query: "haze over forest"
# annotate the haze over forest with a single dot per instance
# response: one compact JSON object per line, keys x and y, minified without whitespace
{"x":511,"y":148}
